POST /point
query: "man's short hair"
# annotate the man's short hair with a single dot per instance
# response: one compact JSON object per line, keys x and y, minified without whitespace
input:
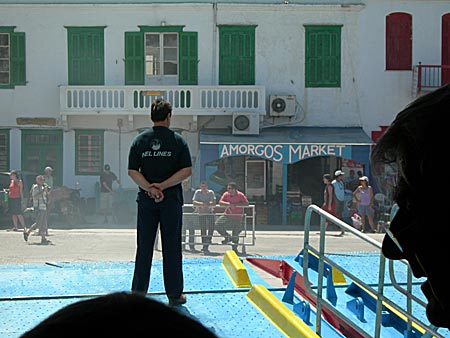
{"x":160,"y":109}
{"x":232,"y":185}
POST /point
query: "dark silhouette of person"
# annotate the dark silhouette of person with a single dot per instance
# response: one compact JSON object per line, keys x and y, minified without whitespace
{"x":419,"y":232}
{"x":118,"y":314}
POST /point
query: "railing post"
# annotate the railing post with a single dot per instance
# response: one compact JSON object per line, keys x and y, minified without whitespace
{"x":419,"y":80}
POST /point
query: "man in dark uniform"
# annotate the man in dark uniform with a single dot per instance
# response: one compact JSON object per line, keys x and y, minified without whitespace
{"x":159,"y":160}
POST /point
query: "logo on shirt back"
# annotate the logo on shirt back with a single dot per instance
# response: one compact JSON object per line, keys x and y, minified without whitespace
{"x":155,"y":145}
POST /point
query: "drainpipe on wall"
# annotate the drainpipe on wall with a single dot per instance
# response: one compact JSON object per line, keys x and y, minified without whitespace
{"x":214,"y":46}
{"x":120,"y":124}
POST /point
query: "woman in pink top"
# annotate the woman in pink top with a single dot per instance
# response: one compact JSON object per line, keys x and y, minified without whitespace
{"x":364,"y":196}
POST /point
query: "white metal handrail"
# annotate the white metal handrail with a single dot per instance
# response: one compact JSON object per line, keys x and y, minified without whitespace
{"x":380,"y":298}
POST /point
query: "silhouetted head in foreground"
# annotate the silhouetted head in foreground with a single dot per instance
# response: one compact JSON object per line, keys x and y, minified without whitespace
{"x":414,"y":144}
{"x":119,"y":314}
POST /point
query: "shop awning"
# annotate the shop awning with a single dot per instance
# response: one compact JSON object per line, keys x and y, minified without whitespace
{"x":291,"y":135}
{"x":290,"y":144}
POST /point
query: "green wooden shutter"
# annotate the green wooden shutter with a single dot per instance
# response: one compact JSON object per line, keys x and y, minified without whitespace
{"x":17,"y":59}
{"x":86,"y":55}
{"x":237,"y":55}
{"x":134,"y":58}
{"x":4,"y":150}
{"x":188,"y":58}
{"x":323,"y":56}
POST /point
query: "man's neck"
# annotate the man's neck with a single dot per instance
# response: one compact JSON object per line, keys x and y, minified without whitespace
{"x":165,"y":123}
{"x":160,"y":124}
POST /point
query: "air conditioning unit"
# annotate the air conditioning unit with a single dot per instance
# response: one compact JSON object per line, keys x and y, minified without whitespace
{"x":245,"y":124}
{"x":282,"y":105}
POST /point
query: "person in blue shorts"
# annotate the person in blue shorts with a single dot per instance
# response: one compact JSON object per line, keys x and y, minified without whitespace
{"x":159,"y":160}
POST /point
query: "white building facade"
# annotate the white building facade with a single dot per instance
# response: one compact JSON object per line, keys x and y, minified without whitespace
{"x":271,"y":94}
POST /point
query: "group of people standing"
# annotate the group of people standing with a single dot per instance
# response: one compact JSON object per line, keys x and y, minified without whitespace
{"x":336,"y":204}
{"x":39,"y":195}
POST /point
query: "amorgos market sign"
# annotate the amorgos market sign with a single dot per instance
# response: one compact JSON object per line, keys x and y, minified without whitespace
{"x":285,"y":153}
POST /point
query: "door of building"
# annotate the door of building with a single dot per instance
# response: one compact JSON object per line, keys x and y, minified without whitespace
{"x":42,"y":148}
{"x":255,"y":179}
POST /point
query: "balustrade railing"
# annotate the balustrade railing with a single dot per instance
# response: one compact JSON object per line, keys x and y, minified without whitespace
{"x":431,"y":77}
{"x":186,"y":100}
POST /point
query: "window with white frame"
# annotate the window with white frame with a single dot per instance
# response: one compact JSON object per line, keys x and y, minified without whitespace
{"x":88,"y":152}
{"x":161,"y":54}
{"x":12,"y":58}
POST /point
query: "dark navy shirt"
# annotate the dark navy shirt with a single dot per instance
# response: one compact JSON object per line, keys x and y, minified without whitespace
{"x":158,"y":153}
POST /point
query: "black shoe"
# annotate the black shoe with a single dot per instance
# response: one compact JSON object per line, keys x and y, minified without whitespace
{"x":45,"y":242}
{"x":227,"y":240}
{"x":234,"y":247}
{"x":178,"y":301}
{"x":25,"y":236}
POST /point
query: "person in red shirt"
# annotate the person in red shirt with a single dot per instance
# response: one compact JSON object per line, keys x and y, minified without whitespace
{"x":15,"y":196}
{"x":233,"y":200}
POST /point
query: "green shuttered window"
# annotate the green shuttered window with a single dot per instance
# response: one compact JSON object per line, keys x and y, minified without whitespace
{"x":89,"y":146}
{"x":86,"y":53}
{"x":323,"y":56}
{"x":237,"y":55}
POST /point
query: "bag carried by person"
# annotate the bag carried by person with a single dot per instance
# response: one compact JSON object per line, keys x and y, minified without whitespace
{"x":356,"y":221}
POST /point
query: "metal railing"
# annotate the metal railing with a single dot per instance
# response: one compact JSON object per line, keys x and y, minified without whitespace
{"x":431,"y":77}
{"x":186,"y":100}
{"x":191,"y":225}
{"x":381,"y":300}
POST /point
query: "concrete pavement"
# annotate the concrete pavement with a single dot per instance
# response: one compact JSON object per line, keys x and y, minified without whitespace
{"x":94,"y":241}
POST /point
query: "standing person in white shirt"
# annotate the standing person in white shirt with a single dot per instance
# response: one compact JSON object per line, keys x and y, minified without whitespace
{"x":339,"y":193}
{"x":39,"y":192}
{"x":189,"y":220}
{"x":204,"y":200}
{"x":48,"y":177}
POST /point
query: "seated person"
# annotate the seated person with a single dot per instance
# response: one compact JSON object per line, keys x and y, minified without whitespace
{"x":233,"y":200}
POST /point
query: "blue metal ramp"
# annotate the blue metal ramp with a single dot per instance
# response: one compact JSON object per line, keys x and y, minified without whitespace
{"x":31,"y":292}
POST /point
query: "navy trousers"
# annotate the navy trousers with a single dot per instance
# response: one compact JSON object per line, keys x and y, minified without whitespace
{"x":168,"y":215}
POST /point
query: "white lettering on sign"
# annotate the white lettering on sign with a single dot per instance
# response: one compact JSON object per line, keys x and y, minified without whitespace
{"x":284,"y":153}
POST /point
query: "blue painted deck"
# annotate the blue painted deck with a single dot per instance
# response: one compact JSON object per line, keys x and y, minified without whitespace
{"x":31,"y":292}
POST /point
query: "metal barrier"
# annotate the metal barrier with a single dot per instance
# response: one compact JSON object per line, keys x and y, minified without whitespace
{"x":381,"y":300}
{"x":194,"y":224}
